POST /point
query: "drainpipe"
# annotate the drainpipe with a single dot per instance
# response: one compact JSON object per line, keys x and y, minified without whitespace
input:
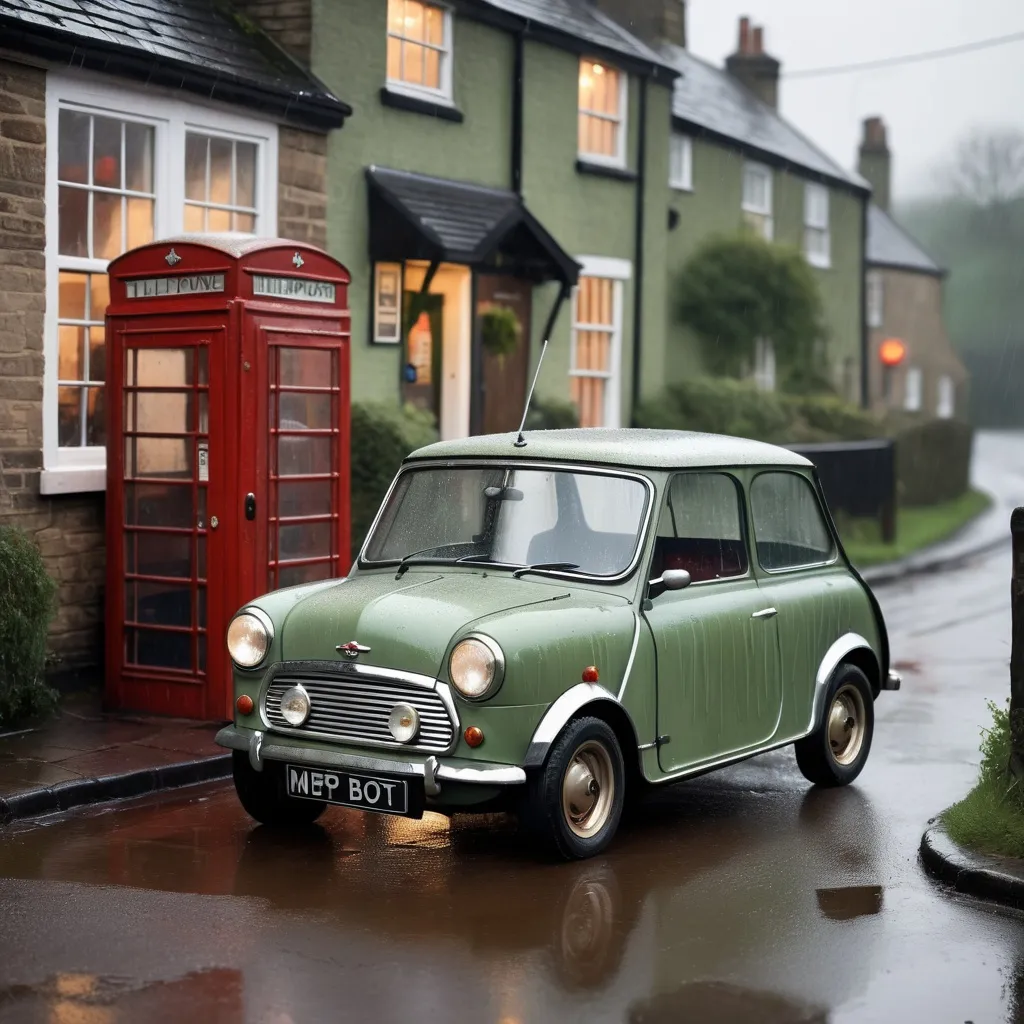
{"x":865,"y":339}
{"x":517,"y":113}
{"x":638,"y":257}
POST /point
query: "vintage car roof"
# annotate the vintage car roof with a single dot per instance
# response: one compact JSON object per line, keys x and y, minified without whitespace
{"x":654,"y":449}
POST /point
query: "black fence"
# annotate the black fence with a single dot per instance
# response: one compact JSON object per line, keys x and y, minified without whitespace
{"x":858,"y":478}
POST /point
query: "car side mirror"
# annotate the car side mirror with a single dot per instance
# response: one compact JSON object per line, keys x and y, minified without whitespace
{"x":670,"y":579}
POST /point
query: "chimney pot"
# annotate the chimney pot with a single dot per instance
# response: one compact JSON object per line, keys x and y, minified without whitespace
{"x":744,"y":35}
{"x":875,"y":161}
{"x":759,"y":40}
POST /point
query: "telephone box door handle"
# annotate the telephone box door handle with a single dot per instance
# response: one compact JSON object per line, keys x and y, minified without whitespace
{"x":250,"y":506}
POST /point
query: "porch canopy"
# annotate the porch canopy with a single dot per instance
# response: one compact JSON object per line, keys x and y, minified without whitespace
{"x":415,"y":217}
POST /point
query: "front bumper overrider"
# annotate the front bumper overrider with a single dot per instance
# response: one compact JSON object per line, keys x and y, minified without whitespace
{"x":262,"y":746}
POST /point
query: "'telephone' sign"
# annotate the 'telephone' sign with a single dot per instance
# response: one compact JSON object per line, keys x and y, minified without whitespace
{"x":303,"y":289}
{"x":190,"y":284}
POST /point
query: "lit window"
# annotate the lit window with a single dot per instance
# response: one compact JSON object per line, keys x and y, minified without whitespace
{"x":946,"y":405}
{"x":680,"y":174}
{"x":419,"y":48}
{"x":602,"y":113}
{"x":764,"y":364}
{"x":876,"y":298}
{"x":817,"y":241}
{"x":912,"y":398}
{"x":757,"y":199}
{"x":597,"y":329}
{"x":220,"y":184}
{"x":124,"y":171}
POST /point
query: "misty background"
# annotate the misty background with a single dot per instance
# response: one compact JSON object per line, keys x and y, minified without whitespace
{"x":956,"y":131}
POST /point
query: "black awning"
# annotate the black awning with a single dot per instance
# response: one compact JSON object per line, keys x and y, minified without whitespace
{"x":415,"y":217}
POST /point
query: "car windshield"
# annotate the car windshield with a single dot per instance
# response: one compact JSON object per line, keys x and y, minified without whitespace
{"x":512,"y":517}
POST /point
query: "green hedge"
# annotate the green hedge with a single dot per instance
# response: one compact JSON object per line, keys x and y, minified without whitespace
{"x":933,"y":460}
{"x":382,"y":435}
{"x":552,"y":414}
{"x":26,"y":607}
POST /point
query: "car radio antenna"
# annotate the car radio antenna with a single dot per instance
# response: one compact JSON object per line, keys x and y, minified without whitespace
{"x":563,"y":294}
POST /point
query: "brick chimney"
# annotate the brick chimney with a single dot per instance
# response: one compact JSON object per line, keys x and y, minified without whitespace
{"x":288,"y":22}
{"x":875,"y":163}
{"x":653,"y":21}
{"x":758,"y":71}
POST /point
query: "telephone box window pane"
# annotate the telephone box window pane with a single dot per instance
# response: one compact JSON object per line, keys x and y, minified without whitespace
{"x":158,"y":604}
{"x":158,"y":456}
{"x":106,"y":226}
{"x":293,"y":575}
{"x":303,"y":456}
{"x":304,"y":540}
{"x":304,"y":498}
{"x":158,"y":412}
{"x":158,"y":554}
{"x":160,"y":367}
{"x":138,"y":157}
{"x":73,"y":147}
{"x":201,"y":558}
{"x":196,"y":147}
{"x":71,"y":290}
{"x":96,"y":421}
{"x":202,"y":652}
{"x":306,"y":367}
{"x":310,"y":412}
{"x":158,"y":505}
{"x":73,"y":218}
{"x":140,"y":222}
{"x":157,"y":649}
{"x":69,"y":417}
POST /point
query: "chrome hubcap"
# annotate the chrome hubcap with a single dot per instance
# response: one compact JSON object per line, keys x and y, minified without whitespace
{"x":588,"y":789}
{"x":846,"y":726}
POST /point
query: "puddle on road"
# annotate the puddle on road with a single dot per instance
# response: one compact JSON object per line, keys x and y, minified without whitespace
{"x":850,"y":901}
{"x":724,"y":1003}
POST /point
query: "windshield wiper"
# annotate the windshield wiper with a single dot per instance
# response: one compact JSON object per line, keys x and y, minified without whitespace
{"x":544,"y":567}
{"x":482,"y":559}
{"x":404,"y":564}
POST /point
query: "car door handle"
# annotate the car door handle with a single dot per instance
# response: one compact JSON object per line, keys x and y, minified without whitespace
{"x":765,"y":613}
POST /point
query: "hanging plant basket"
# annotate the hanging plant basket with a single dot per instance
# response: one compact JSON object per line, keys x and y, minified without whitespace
{"x":500,"y":331}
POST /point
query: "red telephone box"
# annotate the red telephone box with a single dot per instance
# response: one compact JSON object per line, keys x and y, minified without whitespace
{"x":227,"y":456}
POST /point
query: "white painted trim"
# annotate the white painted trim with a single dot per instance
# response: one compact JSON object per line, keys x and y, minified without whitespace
{"x":605,"y":266}
{"x":446,"y":50}
{"x":70,"y":470}
{"x":619,"y":158}
{"x":683,"y":183}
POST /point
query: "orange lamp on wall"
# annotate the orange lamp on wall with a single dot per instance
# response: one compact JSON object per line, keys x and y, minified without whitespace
{"x":892,"y":352}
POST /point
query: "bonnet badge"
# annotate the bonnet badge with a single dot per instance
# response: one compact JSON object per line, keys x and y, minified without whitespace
{"x":352,"y":649}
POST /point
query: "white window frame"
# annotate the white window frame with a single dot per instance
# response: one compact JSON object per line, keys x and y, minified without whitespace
{"x":619,"y":158}
{"x":875,"y":285}
{"x":945,"y":403}
{"x":74,"y":470}
{"x":816,"y":199}
{"x":764,"y":211}
{"x":914,"y":389}
{"x":447,"y":58}
{"x":764,"y":364}
{"x":618,"y":271}
{"x":680,"y":162}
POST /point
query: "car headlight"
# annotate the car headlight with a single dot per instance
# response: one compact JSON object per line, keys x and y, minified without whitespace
{"x":476,"y":667}
{"x":249,"y":637}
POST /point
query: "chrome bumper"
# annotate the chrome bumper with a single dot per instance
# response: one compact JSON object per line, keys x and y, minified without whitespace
{"x":266,"y":747}
{"x":893,"y":681}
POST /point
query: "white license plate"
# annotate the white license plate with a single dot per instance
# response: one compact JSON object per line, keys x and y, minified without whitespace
{"x":368,"y":792}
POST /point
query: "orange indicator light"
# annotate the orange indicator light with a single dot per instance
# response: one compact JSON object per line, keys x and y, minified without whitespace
{"x":474,"y":736}
{"x":244,"y":704}
{"x":590,"y":674}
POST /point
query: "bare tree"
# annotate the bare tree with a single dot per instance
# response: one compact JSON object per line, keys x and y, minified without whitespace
{"x":988,"y":166}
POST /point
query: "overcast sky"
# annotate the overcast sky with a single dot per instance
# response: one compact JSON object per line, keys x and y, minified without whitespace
{"x":927,"y":106}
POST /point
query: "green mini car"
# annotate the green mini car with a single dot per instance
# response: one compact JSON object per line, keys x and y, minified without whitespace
{"x":551,"y":623}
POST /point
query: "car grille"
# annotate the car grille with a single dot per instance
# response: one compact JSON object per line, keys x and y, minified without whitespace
{"x":356,"y":709}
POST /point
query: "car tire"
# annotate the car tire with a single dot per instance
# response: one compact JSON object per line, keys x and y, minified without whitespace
{"x":573,"y":804}
{"x":263,"y":795}
{"x":835,"y":753}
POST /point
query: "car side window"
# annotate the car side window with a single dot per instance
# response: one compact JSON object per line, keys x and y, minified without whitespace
{"x":701,"y":528}
{"x":789,"y":527}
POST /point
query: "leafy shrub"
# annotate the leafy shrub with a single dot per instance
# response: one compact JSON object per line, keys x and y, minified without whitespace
{"x":933,"y":460}
{"x":552,"y":414}
{"x":382,"y":435}
{"x":26,"y":607}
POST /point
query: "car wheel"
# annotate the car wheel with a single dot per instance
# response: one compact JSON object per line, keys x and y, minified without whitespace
{"x":835,"y":753}
{"x":263,"y":795}
{"x":574,"y":803}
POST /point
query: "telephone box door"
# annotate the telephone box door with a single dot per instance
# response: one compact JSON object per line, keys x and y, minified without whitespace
{"x":173,"y":434}
{"x":302,"y":471}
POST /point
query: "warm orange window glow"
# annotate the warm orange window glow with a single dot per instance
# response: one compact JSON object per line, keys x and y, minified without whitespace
{"x":892,"y":352}
{"x":600,"y":111}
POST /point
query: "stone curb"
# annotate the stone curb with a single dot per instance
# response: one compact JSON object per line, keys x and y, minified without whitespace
{"x":971,"y":873}
{"x":79,"y":792}
{"x":890,"y":572}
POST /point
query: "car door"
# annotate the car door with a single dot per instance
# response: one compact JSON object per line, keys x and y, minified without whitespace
{"x":718,"y":681}
{"x":815,"y":598}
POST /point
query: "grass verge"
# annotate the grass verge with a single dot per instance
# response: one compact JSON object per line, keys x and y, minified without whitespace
{"x":990,"y":819}
{"x":916,"y":528}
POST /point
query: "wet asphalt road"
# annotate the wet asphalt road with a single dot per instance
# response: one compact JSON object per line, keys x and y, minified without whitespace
{"x":742,"y":896}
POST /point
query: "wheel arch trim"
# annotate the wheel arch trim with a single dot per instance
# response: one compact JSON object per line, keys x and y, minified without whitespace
{"x":561,"y":712}
{"x":834,"y":657}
